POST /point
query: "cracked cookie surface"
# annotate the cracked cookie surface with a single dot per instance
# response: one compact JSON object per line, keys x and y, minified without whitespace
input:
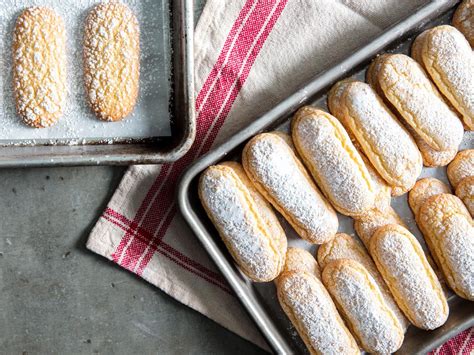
{"x":39,"y":66}
{"x":112,"y":60}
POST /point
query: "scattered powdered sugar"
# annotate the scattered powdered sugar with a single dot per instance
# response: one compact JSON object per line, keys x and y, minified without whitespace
{"x":407,"y":87}
{"x":228,"y":201}
{"x":358,"y":295}
{"x":274,"y":165}
{"x":335,"y":163}
{"x":78,"y":124}
{"x":405,"y":268}
{"x":385,"y":142}
{"x":449,"y":59}
{"x":317,"y":318}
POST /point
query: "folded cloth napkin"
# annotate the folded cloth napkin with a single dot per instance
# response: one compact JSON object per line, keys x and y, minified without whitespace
{"x":249,"y":55}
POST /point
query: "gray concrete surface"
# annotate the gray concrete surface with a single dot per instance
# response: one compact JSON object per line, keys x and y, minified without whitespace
{"x":57,"y":297}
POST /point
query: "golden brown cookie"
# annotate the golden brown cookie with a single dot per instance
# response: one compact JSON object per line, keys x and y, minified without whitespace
{"x":448,"y":59}
{"x":298,"y":259}
{"x":39,"y":66}
{"x":112,"y":60}
{"x":409,"y":90}
{"x":449,"y":232}
{"x":423,"y":190}
{"x":461,"y":167}
{"x":431,"y":157}
{"x":366,"y":225}
{"x":465,"y":191}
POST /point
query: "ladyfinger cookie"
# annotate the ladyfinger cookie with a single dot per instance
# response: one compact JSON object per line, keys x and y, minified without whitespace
{"x":416,"y":49}
{"x":372,"y":73}
{"x":423,"y":190}
{"x":383,"y":192}
{"x":409,"y":276}
{"x":448,"y":58}
{"x":298,"y":259}
{"x":463,"y":20}
{"x":465,"y":191}
{"x":335,"y":97}
{"x":287,"y":138}
{"x":431,"y":157}
{"x":343,"y":246}
{"x":407,"y":87}
{"x":244,"y":220}
{"x":385,"y":142}
{"x":449,"y":232}
{"x":280,"y":177}
{"x":39,"y":66}
{"x":416,"y":53}
{"x":309,"y":307}
{"x":461,"y":167}
{"x":112,"y":60}
{"x":333,"y":161}
{"x":366,"y":225}
{"x":363,"y":306}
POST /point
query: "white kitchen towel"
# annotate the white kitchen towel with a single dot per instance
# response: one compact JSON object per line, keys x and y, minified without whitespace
{"x":249,"y":55}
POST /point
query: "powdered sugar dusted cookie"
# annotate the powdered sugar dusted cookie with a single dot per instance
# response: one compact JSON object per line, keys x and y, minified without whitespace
{"x":39,"y":66}
{"x":245,"y":221}
{"x":310,"y":308}
{"x":431,"y":157}
{"x":409,"y":90}
{"x":112,"y":60}
{"x":383,"y":139}
{"x":363,"y":306}
{"x":448,"y":58}
{"x":449,"y":232}
{"x":409,"y":276}
{"x":271,"y":164}
{"x":333,"y":161}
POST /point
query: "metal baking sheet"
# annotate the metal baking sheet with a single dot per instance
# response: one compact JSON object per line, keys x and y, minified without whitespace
{"x":161,"y":127}
{"x":260,"y":299}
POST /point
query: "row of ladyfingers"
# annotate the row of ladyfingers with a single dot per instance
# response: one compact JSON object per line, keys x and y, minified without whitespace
{"x":377,"y":289}
{"x":111,"y":63}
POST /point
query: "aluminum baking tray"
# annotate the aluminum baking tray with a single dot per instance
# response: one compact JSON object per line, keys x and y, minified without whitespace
{"x":162,"y":126}
{"x":260,"y":299}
